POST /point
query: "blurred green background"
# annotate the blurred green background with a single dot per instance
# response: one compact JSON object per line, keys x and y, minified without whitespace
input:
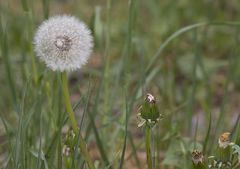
{"x":195,"y":76}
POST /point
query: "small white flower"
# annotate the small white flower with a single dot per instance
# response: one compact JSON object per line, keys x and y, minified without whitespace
{"x":63,"y":43}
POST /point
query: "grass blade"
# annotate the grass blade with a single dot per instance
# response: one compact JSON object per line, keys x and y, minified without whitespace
{"x":126,"y":134}
{"x":178,"y":33}
{"x":208,"y":134}
{"x":6,"y":60}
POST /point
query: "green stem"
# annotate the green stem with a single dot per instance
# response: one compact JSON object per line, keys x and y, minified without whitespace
{"x":68,"y":102}
{"x":35,"y":77}
{"x":199,"y":166}
{"x":29,"y":22}
{"x":148,"y":146}
{"x":82,"y":144}
{"x":107,"y":57}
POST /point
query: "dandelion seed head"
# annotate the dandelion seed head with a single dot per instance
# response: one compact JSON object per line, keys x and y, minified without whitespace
{"x":63,"y":43}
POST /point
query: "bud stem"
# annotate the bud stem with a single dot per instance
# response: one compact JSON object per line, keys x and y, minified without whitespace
{"x":148,"y":145}
{"x":73,"y":120}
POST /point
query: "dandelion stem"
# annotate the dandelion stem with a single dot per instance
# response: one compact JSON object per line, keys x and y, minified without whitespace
{"x":148,"y":145}
{"x":68,"y":102}
{"x":82,"y":144}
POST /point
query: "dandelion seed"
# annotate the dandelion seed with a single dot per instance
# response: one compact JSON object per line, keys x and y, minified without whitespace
{"x":63,"y":43}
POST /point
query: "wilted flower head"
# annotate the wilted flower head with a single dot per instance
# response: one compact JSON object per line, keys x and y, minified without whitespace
{"x":63,"y":43}
{"x":66,"y":150}
{"x":224,"y":140}
{"x":197,"y":157}
{"x":70,"y":142}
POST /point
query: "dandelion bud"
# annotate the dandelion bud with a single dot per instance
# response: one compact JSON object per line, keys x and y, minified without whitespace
{"x":224,"y":148}
{"x":63,"y":43}
{"x":149,"y":112}
{"x":224,"y":140}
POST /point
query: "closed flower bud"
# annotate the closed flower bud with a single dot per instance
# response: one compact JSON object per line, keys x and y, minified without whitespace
{"x":149,"y":112}
{"x":223,"y":151}
{"x":224,"y":140}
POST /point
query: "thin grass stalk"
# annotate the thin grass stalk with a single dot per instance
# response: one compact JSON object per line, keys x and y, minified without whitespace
{"x":206,"y":76}
{"x":208,"y":134}
{"x":61,"y":121}
{"x":7,"y":64}
{"x":126,"y":63}
{"x":236,"y":130}
{"x":208,"y":98}
{"x":107,"y":59}
{"x":148,"y":146}
{"x":24,"y":5}
{"x":134,"y":150}
{"x":225,"y":96}
{"x":39,"y":159}
{"x":126,"y":132}
{"x":158,"y":145}
{"x":82,"y":145}
{"x":180,"y":32}
{"x":149,"y":67}
{"x":106,"y":75}
{"x":128,"y":108}
{"x":127,"y":57}
{"x":220,"y":120}
{"x":59,"y":153}
{"x":194,"y":79}
{"x":195,"y":134}
{"x":19,"y":136}
{"x":92,"y":123}
{"x":34,"y":67}
{"x":55,"y":105}
{"x":98,"y":141}
{"x":45,"y":4}
{"x":168,"y":40}
{"x":29,"y":27}
{"x":96,"y":132}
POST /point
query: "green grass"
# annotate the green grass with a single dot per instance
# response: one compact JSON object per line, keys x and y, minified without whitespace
{"x":185,"y":53}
